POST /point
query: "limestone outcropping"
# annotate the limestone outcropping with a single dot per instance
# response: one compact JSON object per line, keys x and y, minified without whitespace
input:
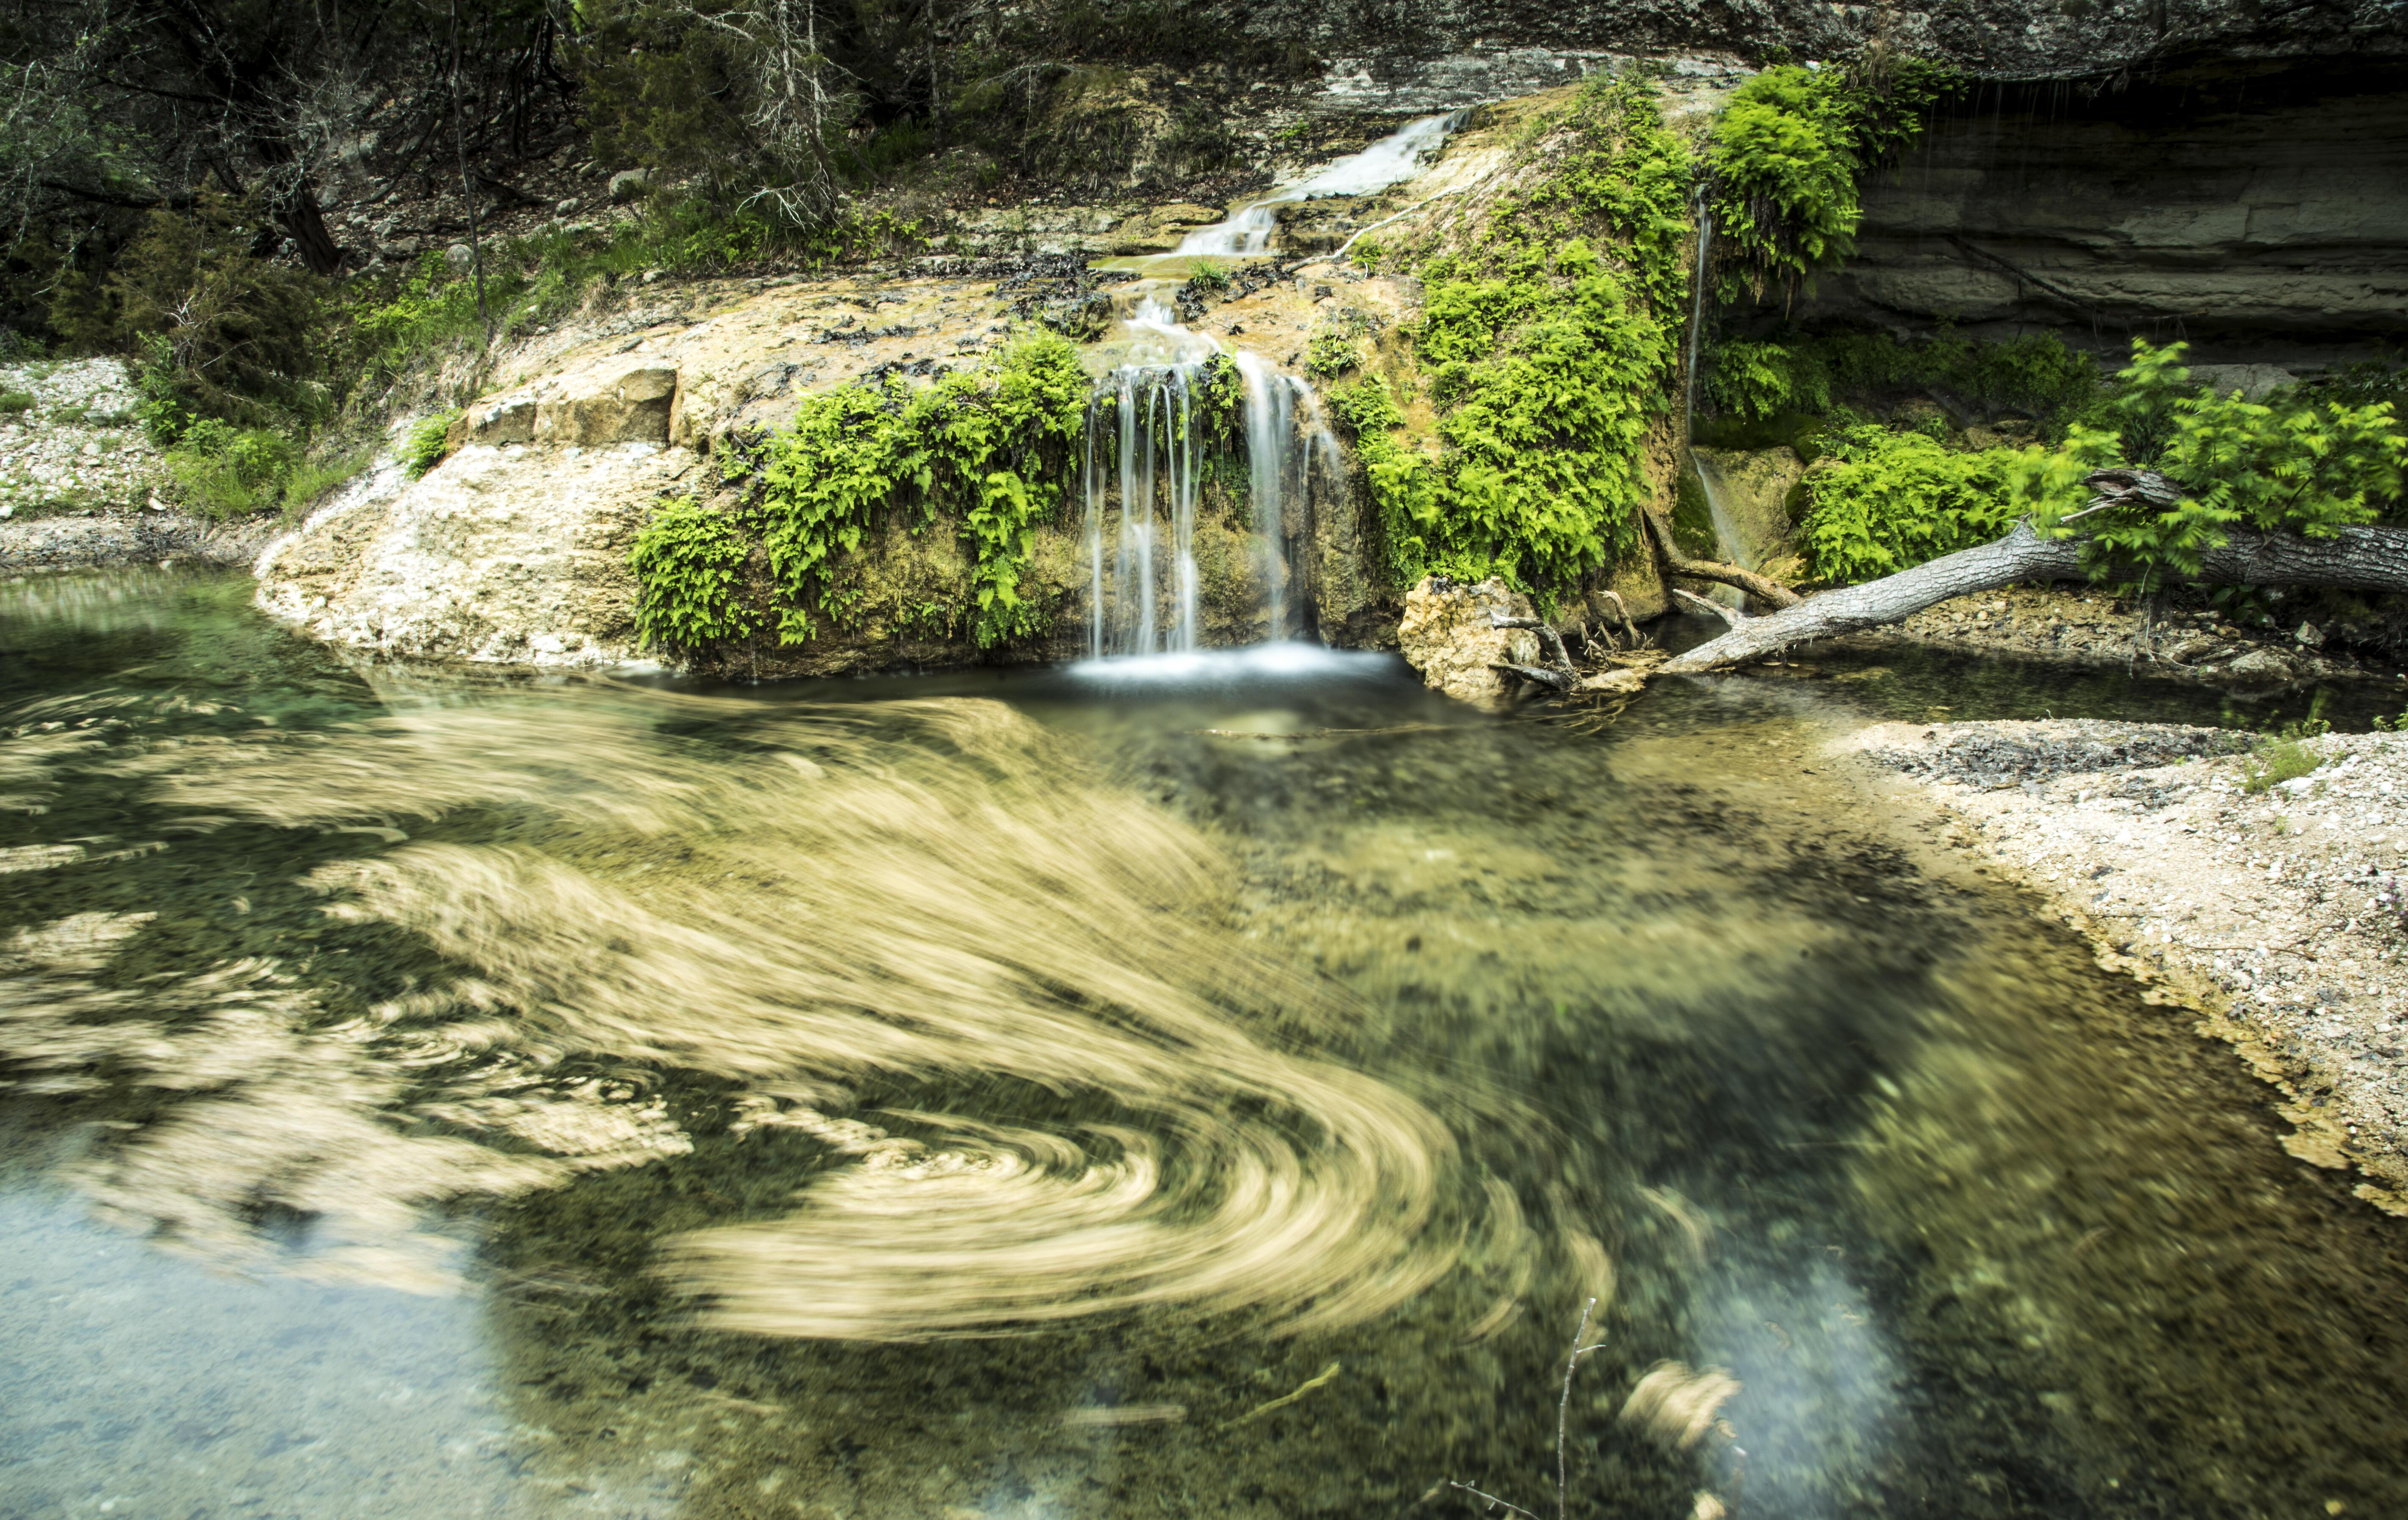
{"x":1450,"y":635}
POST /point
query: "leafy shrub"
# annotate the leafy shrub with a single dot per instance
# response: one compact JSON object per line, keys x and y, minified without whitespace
{"x":1368,"y":254}
{"x":1791,"y":147}
{"x":219,"y":332}
{"x":222,"y":471}
{"x":427,"y":441}
{"x":689,"y":563}
{"x":1329,"y":355}
{"x":2288,"y":463}
{"x":1550,"y":342}
{"x":13,"y":402}
{"x":1798,"y":373}
{"x":1881,"y":501}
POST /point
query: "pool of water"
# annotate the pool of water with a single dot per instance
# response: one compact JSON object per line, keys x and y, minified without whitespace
{"x":1117,"y":1091}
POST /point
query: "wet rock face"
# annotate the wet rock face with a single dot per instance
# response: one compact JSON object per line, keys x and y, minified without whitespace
{"x":1449,"y":633}
{"x":2271,"y":210}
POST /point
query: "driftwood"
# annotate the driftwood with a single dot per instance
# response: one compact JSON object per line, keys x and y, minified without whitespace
{"x":1539,"y":675}
{"x":2352,"y":559}
{"x":1730,"y":615}
{"x":1763,"y":587}
{"x":1549,"y":642}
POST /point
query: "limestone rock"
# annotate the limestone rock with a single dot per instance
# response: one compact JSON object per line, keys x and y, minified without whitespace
{"x":510,"y":420}
{"x":2253,"y":381}
{"x":1751,"y":488}
{"x":627,"y":184}
{"x":1448,"y":636}
{"x":508,"y":555}
{"x":2260,"y":664}
{"x":631,"y":407}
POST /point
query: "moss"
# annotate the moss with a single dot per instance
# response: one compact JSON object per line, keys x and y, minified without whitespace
{"x":987,"y":449}
{"x":1693,"y":518}
{"x":1549,"y":336}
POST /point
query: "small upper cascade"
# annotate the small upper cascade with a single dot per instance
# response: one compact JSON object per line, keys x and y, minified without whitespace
{"x":1393,"y":159}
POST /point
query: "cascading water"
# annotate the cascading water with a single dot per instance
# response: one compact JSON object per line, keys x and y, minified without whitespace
{"x":1391,"y":160}
{"x":1144,"y":469}
{"x":1727,"y":540}
{"x":1270,"y":425}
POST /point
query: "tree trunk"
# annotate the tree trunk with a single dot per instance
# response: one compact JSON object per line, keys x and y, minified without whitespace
{"x":2354,"y":559}
{"x":1762,"y":587}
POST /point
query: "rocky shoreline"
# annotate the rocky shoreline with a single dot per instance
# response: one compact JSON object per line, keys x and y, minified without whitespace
{"x":2270,"y":907}
{"x":108,"y":540}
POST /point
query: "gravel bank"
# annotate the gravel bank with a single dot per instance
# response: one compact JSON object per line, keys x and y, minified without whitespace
{"x":2277,"y":914}
{"x":68,"y":441}
{"x":78,"y":543}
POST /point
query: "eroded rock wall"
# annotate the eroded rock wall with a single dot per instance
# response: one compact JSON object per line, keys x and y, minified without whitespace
{"x":2250,"y":212}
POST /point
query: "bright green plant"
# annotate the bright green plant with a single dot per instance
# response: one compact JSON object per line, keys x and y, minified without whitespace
{"x":1802,"y":373}
{"x":426,"y":443}
{"x":2286,"y":465}
{"x":1329,"y":355}
{"x":14,"y":402}
{"x":1000,"y":441}
{"x":1403,"y":485}
{"x":223,"y":471}
{"x":1760,"y":381}
{"x":1211,"y":277}
{"x":991,"y":446}
{"x":1789,"y":151}
{"x":1550,"y":341}
{"x":1881,"y":501}
{"x":848,"y":454}
{"x":689,"y":564}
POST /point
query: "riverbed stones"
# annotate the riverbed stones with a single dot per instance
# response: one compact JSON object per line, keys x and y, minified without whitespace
{"x":2278,"y":914}
{"x":1449,"y":633}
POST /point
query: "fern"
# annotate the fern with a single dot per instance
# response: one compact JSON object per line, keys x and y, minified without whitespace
{"x":687,"y":562}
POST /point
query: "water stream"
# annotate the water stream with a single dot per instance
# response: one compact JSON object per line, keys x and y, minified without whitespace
{"x":1392,"y":160}
{"x":1142,"y":473}
{"x":1200,"y":1086}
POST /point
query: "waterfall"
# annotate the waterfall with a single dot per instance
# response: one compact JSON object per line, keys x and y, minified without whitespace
{"x":1697,"y":310}
{"x":1143,"y":485}
{"x":1270,"y":425}
{"x":1147,"y":412}
{"x":1393,"y":159}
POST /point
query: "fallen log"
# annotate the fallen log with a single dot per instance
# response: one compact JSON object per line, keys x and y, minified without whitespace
{"x":1558,"y":681}
{"x":1760,"y":586}
{"x":2352,"y":559}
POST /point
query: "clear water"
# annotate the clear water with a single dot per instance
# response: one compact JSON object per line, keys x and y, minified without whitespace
{"x":1204,"y":1088}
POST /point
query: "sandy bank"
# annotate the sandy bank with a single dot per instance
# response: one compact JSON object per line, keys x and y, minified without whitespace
{"x":2277,"y":916}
